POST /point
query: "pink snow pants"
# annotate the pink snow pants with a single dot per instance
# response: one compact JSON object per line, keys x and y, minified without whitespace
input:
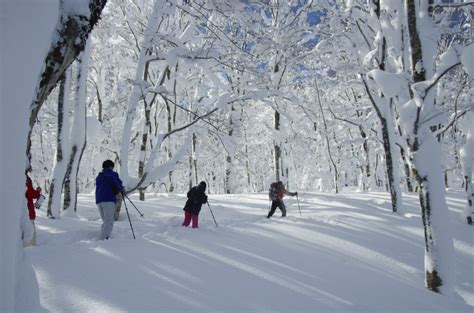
{"x":187,"y":219}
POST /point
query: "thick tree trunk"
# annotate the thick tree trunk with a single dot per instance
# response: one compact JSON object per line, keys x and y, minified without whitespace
{"x":439,"y":248}
{"x":138,"y":90}
{"x":73,"y":31}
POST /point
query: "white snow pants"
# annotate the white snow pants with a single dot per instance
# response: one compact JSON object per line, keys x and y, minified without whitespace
{"x":107,"y":211}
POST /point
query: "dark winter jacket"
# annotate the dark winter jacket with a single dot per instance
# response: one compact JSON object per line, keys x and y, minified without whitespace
{"x":30,"y":195}
{"x":196,"y":198}
{"x":107,"y":184}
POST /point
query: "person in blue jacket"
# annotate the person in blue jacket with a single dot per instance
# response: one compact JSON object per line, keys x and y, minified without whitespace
{"x":107,"y":186}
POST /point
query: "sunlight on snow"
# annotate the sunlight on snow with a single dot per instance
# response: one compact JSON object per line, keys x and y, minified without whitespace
{"x":107,"y":253}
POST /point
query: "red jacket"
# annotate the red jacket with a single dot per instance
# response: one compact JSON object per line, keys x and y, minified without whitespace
{"x":30,"y":195}
{"x":280,"y":192}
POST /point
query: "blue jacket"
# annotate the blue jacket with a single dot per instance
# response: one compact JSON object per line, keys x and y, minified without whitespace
{"x":107,"y":184}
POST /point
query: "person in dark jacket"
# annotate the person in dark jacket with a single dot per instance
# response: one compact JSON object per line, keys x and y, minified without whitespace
{"x":108,"y":185}
{"x":277,"y":192}
{"x":196,"y":198}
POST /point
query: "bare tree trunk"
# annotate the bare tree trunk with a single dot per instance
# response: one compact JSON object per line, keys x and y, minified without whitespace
{"x":365,"y":169}
{"x":328,"y":143}
{"x":470,"y":197}
{"x":466,"y":158}
{"x":277,"y":147}
{"x":408,"y":172}
{"x":193,"y":163}
{"x":146,"y":131}
{"x":169,"y":126}
{"x":384,"y":113}
{"x":230,"y":171}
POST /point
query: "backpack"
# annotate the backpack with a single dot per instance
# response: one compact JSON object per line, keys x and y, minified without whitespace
{"x":272,"y":192}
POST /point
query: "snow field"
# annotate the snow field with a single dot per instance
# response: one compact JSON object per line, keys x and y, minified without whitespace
{"x":347,"y":253}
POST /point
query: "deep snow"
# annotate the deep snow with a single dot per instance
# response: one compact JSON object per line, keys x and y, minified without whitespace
{"x":347,"y":253}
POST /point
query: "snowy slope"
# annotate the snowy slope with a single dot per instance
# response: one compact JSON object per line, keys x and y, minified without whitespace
{"x":347,"y":253}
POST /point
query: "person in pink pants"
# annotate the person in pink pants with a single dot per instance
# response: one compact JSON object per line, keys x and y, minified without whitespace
{"x":196,"y":198}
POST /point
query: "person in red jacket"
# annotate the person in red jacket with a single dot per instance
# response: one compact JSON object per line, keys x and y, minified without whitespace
{"x":276,"y":194}
{"x":31,"y":194}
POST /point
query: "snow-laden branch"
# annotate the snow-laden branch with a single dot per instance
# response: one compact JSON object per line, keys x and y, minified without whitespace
{"x":453,"y":5}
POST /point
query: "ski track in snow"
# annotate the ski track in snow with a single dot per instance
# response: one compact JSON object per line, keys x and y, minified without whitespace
{"x":346,"y":253}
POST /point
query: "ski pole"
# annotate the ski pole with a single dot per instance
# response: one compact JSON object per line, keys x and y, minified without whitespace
{"x":212,"y":214}
{"x":298,"y":200}
{"x":141,"y":214}
{"x":129,"y":220}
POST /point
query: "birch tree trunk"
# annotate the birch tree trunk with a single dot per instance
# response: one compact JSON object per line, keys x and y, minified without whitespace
{"x":73,"y":29}
{"x":230,"y":171}
{"x":277,"y":147}
{"x":78,"y":135}
{"x":467,"y":162}
{"x":385,"y":115}
{"x":426,"y":151}
{"x":384,"y":109}
{"x":171,"y":119}
{"x":146,"y":130}
{"x":193,"y":163}
{"x":328,"y":143}
{"x":138,"y":89}
{"x":62,"y":150}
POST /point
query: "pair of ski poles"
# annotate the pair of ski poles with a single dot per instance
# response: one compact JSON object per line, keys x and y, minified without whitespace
{"x":124,"y":195}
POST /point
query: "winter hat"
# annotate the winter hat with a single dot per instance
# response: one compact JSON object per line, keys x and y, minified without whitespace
{"x":108,"y":164}
{"x":202,"y":185}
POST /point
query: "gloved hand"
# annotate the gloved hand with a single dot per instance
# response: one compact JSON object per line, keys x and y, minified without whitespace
{"x":295,"y":193}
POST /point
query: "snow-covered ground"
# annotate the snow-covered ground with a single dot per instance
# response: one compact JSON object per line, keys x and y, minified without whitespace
{"x":346,"y":253}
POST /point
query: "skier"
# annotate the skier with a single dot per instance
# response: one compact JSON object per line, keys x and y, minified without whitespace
{"x":30,"y":195}
{"x":196,"y":198}
{"x":108,"y":185}
{"x":276,"y":193}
